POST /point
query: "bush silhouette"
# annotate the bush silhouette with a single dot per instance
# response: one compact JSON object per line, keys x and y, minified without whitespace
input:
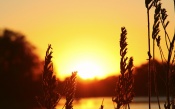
{"x":18,"y":67}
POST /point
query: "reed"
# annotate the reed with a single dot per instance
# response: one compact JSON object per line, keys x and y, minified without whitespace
{"x":69,"y":90}
{"x":50,"y":97}
{"x":155,"y":34}
{"x":149,"y":4}
{"x":160,"y":17}
{"x":102,"y":106}
{"x":124,"y":88}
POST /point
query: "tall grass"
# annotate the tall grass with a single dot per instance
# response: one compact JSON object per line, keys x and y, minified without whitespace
{"x":50,"y":96}
{"x":160,"y":17}
{"x":124,"y":88}
{"x":148,"y":4}
{"x":69,"y":90}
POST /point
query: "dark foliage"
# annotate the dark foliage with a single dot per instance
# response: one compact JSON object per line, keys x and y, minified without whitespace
{"x":18,"y":66}
{"x":95,"y":88}
{"x":141,"y":79}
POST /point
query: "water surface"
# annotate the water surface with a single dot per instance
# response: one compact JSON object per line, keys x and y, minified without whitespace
{"x":95,"y":103}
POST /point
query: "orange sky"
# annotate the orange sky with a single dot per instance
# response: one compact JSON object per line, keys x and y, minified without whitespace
{"x":84,"y":33}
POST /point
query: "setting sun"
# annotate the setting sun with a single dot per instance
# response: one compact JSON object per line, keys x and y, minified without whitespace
{"x":89,"y":69}
{"x":88,"y":65}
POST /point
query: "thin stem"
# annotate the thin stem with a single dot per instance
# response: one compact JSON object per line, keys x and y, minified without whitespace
{"x":64,"y":106}
{"x":166,"y":42}
{"x":149,"y":75}
{"x":154,"y":72}
{"x":168,"y":71}
{"x":166,"y":34}
{"x":102,"y":104}
{"x":161,"y":54}
{"x":128,"y":106}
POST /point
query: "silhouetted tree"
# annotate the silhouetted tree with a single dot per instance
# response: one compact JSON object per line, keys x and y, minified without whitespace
{"x":18,"y":66}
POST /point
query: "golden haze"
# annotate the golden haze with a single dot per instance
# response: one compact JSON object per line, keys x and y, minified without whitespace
{"x":84,"y":33}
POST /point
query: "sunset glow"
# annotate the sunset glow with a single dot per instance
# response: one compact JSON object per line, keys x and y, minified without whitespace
{"x":89,"y":69}
{"x":84,"y":33}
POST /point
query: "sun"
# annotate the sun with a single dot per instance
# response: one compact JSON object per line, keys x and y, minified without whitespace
{"x":88,"y":69}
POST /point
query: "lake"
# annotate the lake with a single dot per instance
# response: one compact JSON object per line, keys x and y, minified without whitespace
{"x":95,"y":103}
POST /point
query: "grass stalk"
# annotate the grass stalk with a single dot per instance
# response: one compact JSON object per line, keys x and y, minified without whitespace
{"x":155,"y":33}
{"x":124,"y":87}
{"x":170,"y":47}
{"x":50,"y":97}
{"x":168,"y":72}
{"x":149,"y":59}
{"x":102,"y":107}
{"x":69,"y":90}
